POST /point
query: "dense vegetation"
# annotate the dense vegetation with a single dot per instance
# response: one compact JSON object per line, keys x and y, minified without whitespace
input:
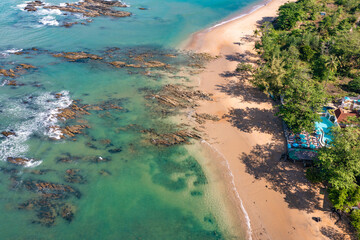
{"x":310,"y":46}
{"x":310,"y":55}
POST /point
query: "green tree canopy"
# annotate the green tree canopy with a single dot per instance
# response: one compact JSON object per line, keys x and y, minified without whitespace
{"x":289,"y":15}
{"x":354,"y":85}
{"x":339,"y":165}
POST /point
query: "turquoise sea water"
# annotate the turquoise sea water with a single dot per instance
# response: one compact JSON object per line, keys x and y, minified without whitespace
{"x":144,"y":192}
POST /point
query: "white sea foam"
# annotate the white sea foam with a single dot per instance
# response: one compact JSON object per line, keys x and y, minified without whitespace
{"x":49,"y":117}
{"x":32,"y":163}
{"x":44,"y":11}
{"x":22,"y":6}
{"x":246,"y":215}
{"x":49,"y":20}
{"x":253,"y":9}
{"x":6,"y":53}
{"x":40,"y":118}
{"x":13,"y":50}
{"x":47,"y":15}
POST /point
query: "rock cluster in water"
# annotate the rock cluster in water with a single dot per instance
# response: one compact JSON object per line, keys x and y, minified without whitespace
{"x":202,"y":117}
{"x":77,"y":110}
{"x":8,"y":133}
{"x":177,"y":96}
{"x":73,"y":176}
{"x":20,"y":69}
{"x":169,"y":139}
{"x":68,"y":158}
{"x":88,"y":8}
{"x":49,"y":205}
{"x":74,"y":56}
{"x":18,"y":161}
{"x":50,"y":202}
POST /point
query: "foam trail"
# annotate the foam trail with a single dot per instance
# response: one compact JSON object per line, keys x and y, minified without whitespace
{"x":41,"y":118}
{"x":247,"y":218}
{"x":237,"y":17}
{"x":49,"y":20}
{"x":6,"y":53}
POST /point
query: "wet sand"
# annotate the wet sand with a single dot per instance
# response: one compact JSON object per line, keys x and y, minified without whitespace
{"x":278,"y":199}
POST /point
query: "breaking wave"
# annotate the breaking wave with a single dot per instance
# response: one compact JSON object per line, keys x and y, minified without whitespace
{"x":37,"y":116}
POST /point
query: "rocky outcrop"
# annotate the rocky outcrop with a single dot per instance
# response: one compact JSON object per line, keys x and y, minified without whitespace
{"x":104,"y":172}
{"x":88,"y":8}
{"x":12,"y":83}
{"x":25,"y":66}
{"x":118,"y":64}
{"x":7,"y":73}
{"x":67,"y":212}
{"x":155,"y":64}
{"x":115,"y":150}
{"x":73,"y":176}
{"x":67,"y":158}
{"x":48,"y":209}
{"x":72,"y":112}
{"x":33,"y":6}
{"x":71,"y":131}
{"x":20,"y":69}
{"x":169,"y":139}
{"x":202,"y":117}
{"x":177,"y":96}
{"x":74,"y":56}
{"x":8,"y":133}
{"x":18,"y":161}
{"x":51,"y":188}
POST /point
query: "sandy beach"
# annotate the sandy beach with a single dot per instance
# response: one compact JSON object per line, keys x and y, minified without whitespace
{"x":278,"y":199}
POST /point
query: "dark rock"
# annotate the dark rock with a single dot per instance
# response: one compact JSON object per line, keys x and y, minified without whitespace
{"x":169,"y":139}
{"x":18,"y":161}
{"x":116,"y":150}
{"x":74,"y":56}
{"x":104,"y":172}
{"x":8,"y":133}
{"x":118,"y":64}
{"x":73,"y":176}
{"x":48,"y":187}
{"x":25,"y":66}
{"x":67,"y":212}
{"x":69,"y":24}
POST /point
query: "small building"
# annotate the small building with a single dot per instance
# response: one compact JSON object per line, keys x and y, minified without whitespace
{"x":306,"y":156}
{"x":342,"y":117}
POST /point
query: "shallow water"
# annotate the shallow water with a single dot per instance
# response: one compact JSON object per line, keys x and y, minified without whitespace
{"x":144,"y":192}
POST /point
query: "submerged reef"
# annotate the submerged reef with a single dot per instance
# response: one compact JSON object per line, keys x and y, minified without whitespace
{"x":75,"y":120}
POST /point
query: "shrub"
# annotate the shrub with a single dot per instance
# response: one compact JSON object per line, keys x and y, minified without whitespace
{"x":289,"y":15}
{"x":355,"y":219}
{"x":354,"y":85}
{"x":244,"y":67}
{"x":306,"y":53}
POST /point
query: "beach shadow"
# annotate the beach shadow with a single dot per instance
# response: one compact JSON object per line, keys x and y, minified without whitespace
{"x":247,"y":57}
{"x":333,"y":234}
{"x":264,"y":20}
{"x":284,"y":177}
{"x":254,"y":119}
{"x":229,"y":74}
{"x":243,"y":90}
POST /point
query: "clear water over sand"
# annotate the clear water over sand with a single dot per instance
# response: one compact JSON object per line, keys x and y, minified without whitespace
{"x":144,"y":192}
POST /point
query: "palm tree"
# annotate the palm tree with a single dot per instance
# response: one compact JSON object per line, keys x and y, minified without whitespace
{"x":331,"y":64}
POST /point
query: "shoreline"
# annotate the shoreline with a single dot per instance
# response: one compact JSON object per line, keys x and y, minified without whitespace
{"x":249,"y":138}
